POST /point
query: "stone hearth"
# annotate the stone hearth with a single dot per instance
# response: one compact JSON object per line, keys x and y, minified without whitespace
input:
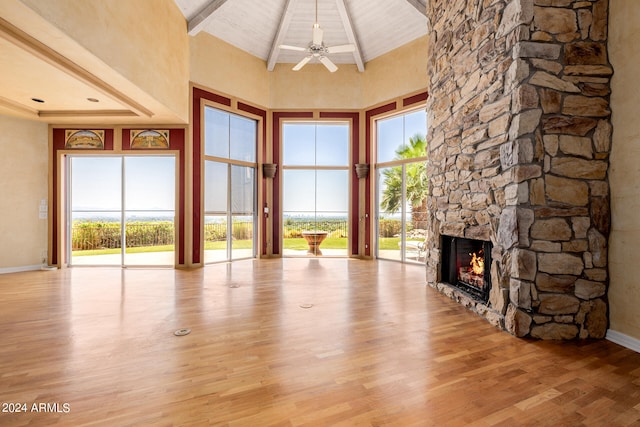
{"x":519,"y":140}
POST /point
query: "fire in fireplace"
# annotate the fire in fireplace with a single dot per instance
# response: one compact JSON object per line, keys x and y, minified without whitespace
{"x":466,"y":264}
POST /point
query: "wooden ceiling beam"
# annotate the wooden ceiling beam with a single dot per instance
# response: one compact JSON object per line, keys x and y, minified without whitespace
{"x":420,"y":5}
{"x":197,"y":23}
{"x":345,"y":16}
{"x":283,"y":27}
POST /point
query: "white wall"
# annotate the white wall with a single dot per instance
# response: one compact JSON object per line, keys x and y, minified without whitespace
{"x":624,"y":177}
{"x":23,"y":185}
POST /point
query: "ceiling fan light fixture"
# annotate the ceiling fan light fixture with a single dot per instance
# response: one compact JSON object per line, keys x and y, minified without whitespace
{"x":318,"y":49}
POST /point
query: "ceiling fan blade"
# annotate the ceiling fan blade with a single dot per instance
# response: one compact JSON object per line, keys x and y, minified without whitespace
{"x":288,"y":47}
{"x":342,"y":48}
{"x":317,"y":34}
{"x":302,"y":63}
{"x":327,"y":63}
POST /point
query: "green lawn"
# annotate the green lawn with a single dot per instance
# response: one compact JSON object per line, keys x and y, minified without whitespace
{"x":389,"y":243}
{"x":138,"y":250}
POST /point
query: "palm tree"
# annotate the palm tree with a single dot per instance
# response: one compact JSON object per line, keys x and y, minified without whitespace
{"x":415,"y":182}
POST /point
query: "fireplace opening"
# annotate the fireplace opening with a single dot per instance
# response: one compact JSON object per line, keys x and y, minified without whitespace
{"x":466,"y":264}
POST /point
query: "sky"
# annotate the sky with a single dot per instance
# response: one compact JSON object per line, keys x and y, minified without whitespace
{"x":309,"y":192}
{"x":229,"y":136}
{"x":216,"y":176}
{"x":315,"y":144}
{"x":96,"y":183}
{"x":392,"y":132}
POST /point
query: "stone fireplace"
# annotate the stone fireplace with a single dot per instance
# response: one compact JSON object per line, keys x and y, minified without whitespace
{"x":519,"y":140}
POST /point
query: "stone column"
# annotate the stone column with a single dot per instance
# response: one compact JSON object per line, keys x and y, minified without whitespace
{"x":519,"y":139}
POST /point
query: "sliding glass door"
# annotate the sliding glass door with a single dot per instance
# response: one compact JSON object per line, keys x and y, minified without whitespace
{"x":121,"y":210}
{"x":149,"y":210}
{"x":94,"y":221}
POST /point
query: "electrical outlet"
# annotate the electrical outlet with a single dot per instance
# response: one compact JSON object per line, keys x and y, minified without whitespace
{"x":43,"y":209}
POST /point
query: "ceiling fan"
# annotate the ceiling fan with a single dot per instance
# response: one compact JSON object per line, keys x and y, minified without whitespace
{"x":317,"y":48}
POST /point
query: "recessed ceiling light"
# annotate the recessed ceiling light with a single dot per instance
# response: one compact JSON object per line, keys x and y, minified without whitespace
{"x":92,"y":100}
{"x":37,"y":100}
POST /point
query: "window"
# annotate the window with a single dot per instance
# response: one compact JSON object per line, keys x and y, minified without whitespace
{"x":402,"y":187}
{"x":229,"y":186}
{"x":315,"y":162}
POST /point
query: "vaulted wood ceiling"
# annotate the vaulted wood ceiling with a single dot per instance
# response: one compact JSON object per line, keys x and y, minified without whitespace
{"x":375,"y":27}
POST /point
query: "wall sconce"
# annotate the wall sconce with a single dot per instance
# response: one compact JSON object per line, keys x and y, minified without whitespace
{"x":269,"y":170}
{"x":362,"y":170}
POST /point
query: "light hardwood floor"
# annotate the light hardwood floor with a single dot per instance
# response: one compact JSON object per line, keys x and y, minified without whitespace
{"x":377,"y":347}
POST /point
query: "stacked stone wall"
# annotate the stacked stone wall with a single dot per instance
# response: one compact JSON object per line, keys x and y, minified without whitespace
{"x":519,"y":141}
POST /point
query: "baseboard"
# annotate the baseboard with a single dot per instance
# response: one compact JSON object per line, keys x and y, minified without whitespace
{"x":20,"y":269}
{"x":624,"y":340}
